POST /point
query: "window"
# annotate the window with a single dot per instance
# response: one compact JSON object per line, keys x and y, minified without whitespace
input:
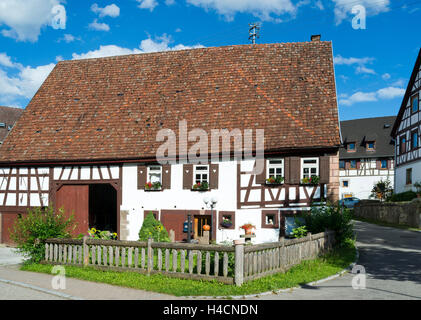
{"x":402,"y":145}
{"x":275,"y":168}
{"x":351,"y":146}
{"x":201,"y":173}
{"x":370,"y":146}
{"x":341,"y":164}
{"x":409,"y":176}
{"x":155,"y":174}
{"x":9,"y":127}
{"x":353,"y":164}
{"x":310,"y":167}
{"x":414,"y":139}
{"x":270,"y":219}
{"x":345,"y":183}
{"x":414,"y":103}
{"x":2,"y":125}
{"x":383,"y":164}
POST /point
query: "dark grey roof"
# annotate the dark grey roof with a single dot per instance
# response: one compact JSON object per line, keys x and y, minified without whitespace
{"x":361,"y":131}
{"x":8,"y":117}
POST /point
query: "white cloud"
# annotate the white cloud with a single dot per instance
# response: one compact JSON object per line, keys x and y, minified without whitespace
{"x":363,"y":69}
{"x":162,"y":43}
{"x":111,"y":10}
{"x":24,"y":19}
{"x":147,"y":4}
{"x":69,"y":38}
{"x":386,"y":76}
{"x":6,"y":61}
{"x":339,"y":60}
{"x":169,"y":2}
{"x":263,"y":9}
{"x":95,"y":25}
{"x":343,"y":8}
{"x":21,"y":82}
{"x":381,"y":94}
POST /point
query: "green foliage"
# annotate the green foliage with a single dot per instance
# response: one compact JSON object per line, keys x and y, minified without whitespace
{"x":333,"y":218}
{"x":201,"y":186}
{"x":103,"y":235}
{"x":382,"y":190}
{"x":152,"y":228}
{"x":40,"y":224}
{"x":403,"y":196}
{"x":299,"y":232}
{"x":417,"y":186}
{"x":313,"y":180}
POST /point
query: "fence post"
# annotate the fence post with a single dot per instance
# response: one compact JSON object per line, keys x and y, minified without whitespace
{"x":150,"y":256}
{"x":85,"y":252}
{"x":239,"y":264}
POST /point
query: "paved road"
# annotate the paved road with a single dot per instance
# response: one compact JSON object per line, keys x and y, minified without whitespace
{"x":392,"y":261}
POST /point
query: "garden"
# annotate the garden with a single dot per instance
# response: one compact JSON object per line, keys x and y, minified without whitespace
{"x":32,"y":231}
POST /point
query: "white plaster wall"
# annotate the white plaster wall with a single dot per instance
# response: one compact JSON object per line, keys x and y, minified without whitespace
{"x":401,"y":176}
{"x":135,"y":201}
{"x":361,"y":186}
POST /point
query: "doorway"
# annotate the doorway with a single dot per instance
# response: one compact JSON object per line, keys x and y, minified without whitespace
{"x":199,"y":222}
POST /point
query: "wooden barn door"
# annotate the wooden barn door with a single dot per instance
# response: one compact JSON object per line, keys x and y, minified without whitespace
{"x":75,"y":199}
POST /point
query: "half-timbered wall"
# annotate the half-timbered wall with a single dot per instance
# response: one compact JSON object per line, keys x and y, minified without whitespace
{"x":362,"y":179}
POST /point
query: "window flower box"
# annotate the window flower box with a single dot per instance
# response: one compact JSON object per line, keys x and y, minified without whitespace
{"x":313,"y":180}
{"x":248,"y":228}
{"x":226,"y":223}
{"x":153,"y":186}
{"x":203,"y":186}
{"x":275,"y":181}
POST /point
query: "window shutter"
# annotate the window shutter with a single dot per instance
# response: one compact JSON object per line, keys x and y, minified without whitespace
{"x":324,"y":169}
{"x":347,"y":165}
{"x":141,"y":176}
{"x":378,"y":164}
{"x":261,"y":178}
{"x":358,"y":164}
{"x":295,"y":170}
{"x":389,"y":164}
{"x":286,"y":170}
{"x":213,"y":175}
{"x":166,"y":176}
{"x":187,"y":176}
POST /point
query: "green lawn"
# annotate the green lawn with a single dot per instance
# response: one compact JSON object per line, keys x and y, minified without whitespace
{"x":306,"y":272}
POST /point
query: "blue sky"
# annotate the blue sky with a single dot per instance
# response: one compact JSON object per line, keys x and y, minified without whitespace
{"x":372,"y":65}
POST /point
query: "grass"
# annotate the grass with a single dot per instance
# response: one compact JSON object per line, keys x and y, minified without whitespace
{"x":307,"y":271}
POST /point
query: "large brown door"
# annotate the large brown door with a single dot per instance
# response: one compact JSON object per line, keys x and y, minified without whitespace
{"x":75,"y":200}
{"x":7,"y":222}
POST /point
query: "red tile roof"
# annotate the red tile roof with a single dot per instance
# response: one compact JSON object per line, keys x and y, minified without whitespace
{"x":8,"y":117}
{"x":112,"y":108}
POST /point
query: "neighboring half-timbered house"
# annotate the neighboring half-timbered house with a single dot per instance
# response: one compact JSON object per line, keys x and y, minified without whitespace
{"x":406,"y":132}
{"x":367,"y":155}
{"x":89,"y":138}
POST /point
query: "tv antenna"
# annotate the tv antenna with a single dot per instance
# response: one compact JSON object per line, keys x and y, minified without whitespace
{"x":254,"y":29}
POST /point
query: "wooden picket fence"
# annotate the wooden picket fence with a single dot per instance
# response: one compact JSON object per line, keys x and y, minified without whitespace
{"x":234,"y":264}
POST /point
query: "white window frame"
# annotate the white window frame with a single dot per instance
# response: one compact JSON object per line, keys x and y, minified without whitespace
{"x":154,"y":172}
{"x":201,"y":172}
{"x":309,"y":166}
{"x":275,"y":166}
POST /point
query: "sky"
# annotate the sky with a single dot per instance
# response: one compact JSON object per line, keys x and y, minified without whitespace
{"x":375,"y":42}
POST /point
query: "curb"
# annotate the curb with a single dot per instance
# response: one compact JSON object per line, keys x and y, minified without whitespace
{"x":36,"y":288}
{"x":256,"y":295}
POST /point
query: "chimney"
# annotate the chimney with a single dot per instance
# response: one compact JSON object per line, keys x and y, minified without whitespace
{"x":316,"y":37}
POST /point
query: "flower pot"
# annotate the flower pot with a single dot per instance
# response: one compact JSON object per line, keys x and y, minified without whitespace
{"x":249,"y":231}
{"x":206,"y":227}
{"x":226,"y":224}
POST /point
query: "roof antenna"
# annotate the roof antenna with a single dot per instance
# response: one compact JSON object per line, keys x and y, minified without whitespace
{"x":254,"y":32}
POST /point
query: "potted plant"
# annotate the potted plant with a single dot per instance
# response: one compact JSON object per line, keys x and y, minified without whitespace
{"x":201,"y":186}
{"x":226,"y":222}
{"x":273,"y":180}
{"x":248,"y":228}
{"x":313,"y":180}
{"x":153,"y":186}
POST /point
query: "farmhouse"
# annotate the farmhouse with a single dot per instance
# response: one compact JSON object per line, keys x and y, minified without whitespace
{"x":89,"y":138}
{"x":367,"y":155}
{"x":406,"y":133}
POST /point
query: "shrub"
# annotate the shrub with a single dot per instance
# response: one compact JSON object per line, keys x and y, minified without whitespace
{"x":382,"y":190}
{"x":403,"y":196}
{"x":103,"y":235}
{"x":40,"y":224}
{"x":152,"y":228}
{"x":332,"y":218}
{"x":299,"y":232}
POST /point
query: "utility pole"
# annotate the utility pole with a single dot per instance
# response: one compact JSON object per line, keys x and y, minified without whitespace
{"x":254,"y":32}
